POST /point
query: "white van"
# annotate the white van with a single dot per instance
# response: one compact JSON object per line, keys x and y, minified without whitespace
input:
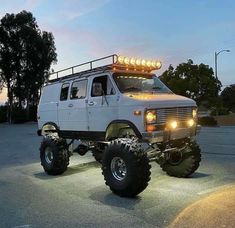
{"x":125,"y":116}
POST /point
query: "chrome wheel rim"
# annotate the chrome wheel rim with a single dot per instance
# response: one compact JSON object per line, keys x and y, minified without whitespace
{"x":118,"y":168}
{"x":48,"y":155}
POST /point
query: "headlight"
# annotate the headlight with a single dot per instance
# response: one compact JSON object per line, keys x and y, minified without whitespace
{"x":190,"y":122}
{"x":194,"y":113}
{"x":173,"y":124}
{"x":151,"y":117}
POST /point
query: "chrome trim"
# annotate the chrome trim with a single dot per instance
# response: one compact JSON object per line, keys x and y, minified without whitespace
{"x":167,"y":135}
{"x":177,"y":113}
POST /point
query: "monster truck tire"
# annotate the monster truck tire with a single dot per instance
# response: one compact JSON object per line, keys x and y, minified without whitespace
{"x":125,"y":155}
{"x":98,"y":155}
{"x":187,"y":165}
{"x":54,"y":155}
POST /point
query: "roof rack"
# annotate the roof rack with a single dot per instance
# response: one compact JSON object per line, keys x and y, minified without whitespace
{"x":115,"y":62}
{"x":90,"y":65}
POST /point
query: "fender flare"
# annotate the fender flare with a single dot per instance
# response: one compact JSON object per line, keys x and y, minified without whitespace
{"x":39,"y":132}
{"x":135,"y":129}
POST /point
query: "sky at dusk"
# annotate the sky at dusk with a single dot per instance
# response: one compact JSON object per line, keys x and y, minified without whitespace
{"x":169,"y":30}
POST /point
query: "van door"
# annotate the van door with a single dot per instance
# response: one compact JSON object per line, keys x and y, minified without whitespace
{"x":102,"y":109}
{"x":72,"y":112}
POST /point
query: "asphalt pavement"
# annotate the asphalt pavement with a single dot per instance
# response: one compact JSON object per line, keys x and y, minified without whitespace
{"x":79,"y":197}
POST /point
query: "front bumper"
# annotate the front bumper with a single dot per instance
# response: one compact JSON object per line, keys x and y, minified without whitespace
{"x":169,"y":135}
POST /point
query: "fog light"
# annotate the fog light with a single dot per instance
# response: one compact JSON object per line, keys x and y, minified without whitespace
{"x":194,"y":113}
{"x":158,"y":64}
{"x":132,"y":61}
{"x":173,"y":124}
{"x":138,"y":62}
{"x":126,"y":60}
{"x":190,"y":122}
{"x":121,"y":59}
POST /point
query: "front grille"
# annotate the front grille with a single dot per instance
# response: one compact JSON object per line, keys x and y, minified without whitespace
{"x":179,"y":114}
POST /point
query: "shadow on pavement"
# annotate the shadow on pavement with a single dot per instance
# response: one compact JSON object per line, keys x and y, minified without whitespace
{"x":81,"y":168}
{"x":113,"y":200}
{"x":199,"y":175}
{"x":70,"y":171}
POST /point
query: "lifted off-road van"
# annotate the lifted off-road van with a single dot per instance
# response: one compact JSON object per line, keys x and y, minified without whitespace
{"x":125,"y":116}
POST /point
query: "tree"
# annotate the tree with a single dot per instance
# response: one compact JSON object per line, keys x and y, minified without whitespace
{"x":193,"y":81}
{"x":26,"y":54}
{"x":1,"y":83}
{"x":228,"y":97}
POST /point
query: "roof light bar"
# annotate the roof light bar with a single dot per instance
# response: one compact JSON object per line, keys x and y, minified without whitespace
{"x":136,"y":62}
{"x":115,"y":62}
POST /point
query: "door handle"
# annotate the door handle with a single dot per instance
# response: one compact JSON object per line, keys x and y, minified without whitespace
{"x":91,"y":103}
{"x":70,"y":105}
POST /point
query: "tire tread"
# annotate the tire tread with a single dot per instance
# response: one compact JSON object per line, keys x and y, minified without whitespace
{"x":140,"y":164}
{"x":60,"y":153}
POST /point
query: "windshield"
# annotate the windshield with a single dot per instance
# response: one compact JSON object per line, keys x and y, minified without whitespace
{"x":135,"y":83}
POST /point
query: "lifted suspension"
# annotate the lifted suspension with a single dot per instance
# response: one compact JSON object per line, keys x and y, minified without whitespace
{"x":157,"y":155}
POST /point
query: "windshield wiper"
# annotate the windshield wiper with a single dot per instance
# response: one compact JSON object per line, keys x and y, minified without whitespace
{"x":131,"y":89}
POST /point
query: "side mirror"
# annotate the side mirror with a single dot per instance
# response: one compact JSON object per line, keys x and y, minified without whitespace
{"x":97,"y":89}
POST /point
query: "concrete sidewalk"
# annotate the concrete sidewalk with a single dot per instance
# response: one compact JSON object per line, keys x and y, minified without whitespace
{"x":216,"y":210}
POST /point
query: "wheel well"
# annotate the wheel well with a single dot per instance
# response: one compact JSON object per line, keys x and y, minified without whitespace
{"x":120,"y":129}
{"x":49,"y":128}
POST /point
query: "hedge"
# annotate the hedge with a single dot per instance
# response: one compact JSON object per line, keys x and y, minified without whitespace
{"x":207,"y":121}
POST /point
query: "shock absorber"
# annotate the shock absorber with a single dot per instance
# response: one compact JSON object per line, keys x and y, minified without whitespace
{"x":153,"y":152}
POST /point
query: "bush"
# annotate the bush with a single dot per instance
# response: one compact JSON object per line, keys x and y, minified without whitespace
{"x":220,"y":111}
{"x":207,"y":121}
{"x":3,"y":114}
{"x":33,"y":113}
{"x":19,"y":115}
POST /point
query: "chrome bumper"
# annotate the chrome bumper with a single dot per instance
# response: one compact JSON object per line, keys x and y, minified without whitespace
{"x":168,"y":135}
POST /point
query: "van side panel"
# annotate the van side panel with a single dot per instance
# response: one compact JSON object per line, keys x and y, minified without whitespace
{"x":48,"y":105}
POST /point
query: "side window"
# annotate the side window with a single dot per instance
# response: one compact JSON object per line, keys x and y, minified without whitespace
{"x":78,"y":90}
{"x":106,"y":83}
{"x":64,"y":92}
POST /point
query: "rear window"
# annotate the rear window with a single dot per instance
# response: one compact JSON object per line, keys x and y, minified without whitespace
{"x":64,"y":92}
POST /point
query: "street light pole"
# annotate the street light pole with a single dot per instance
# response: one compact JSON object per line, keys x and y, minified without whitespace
{"x":216,"y":56}
{"x":216,"y":74}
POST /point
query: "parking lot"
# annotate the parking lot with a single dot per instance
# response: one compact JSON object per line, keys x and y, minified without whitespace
{"x":79,"y":197}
